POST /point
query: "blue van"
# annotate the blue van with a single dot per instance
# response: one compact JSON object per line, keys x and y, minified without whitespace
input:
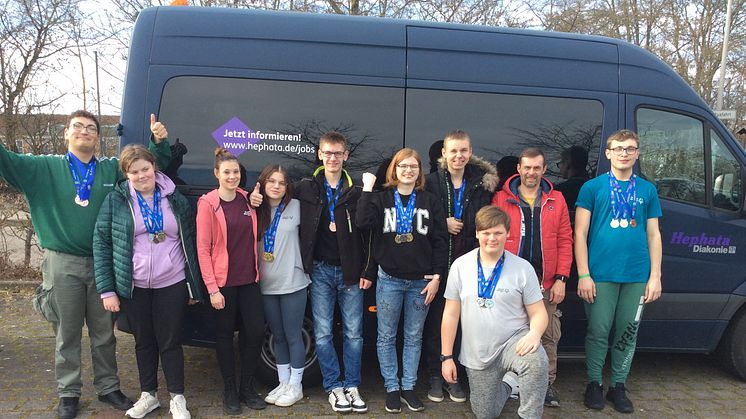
{"x":267,"y":84}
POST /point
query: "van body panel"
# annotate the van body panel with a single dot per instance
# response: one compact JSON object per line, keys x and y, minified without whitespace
{"x":392,"y":83}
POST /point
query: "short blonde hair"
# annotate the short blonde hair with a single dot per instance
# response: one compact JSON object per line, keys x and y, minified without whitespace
{"x":623,"y":135}
{"x":132,"y":152}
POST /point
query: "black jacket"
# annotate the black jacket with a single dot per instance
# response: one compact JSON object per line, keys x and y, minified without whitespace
{"x":425,"y":255}
{"x":353,"y":243}
{"x":481,"y":181}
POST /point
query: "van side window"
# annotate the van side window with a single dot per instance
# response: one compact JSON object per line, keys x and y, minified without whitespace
{"x":672,"y":154}
{"x":504,"y":124}
{"x":726,"y":176}
{"x":270,"y":121}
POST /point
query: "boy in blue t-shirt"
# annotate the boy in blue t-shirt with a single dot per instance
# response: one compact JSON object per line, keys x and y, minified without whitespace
{"x":618,"y":252}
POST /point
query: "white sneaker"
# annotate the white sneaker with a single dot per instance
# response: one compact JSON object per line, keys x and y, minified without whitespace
{"x":357,"y":402}
{"x":179,"y":408}
{"x":292,"y":394}
{"x":276,"y":392}
{"x":511,"y":379}
{"x":143,"y":406}
{"x":338,"y":400}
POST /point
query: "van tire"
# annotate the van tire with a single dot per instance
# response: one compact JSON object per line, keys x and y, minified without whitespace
{"x":732,"y":348}
{"x":267,"y":370}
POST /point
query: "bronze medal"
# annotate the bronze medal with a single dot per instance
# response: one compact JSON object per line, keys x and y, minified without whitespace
{"x":269,"y":257}
{"x":333,"y":227}
{"x":633,"y":223}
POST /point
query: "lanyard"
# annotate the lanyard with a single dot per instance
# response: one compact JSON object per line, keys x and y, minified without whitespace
{"x":153,"y":219}
{"x":623,"y":204}
{"x":332,"y":197}
{"x":486,"y":287}
{"x":271,"y":232}
{"x":404,"y":216}
{"x":458,"y":199}
{"x":82,"y":184}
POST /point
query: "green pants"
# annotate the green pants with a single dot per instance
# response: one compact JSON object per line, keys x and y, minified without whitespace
{"x":76,"y":301}
{"x":619,"y":305}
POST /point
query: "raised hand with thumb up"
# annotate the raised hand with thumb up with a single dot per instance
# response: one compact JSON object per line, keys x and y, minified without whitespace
{"x":256,"y":197}
{"x":158,"y":129}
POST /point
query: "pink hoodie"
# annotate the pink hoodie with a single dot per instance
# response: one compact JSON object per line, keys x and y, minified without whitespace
{"x":212,"y":234}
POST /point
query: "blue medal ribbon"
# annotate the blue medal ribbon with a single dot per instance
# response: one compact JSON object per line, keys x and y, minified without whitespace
{"x":84,"y":183}
{"x":486,"y":287}
{"x":404,"y":216}
{"x":458,"y":199}
{"x":271,"y":231}
{"x":623,"y":203}
{"x":332,"y":197}
{"x":153,"y":219}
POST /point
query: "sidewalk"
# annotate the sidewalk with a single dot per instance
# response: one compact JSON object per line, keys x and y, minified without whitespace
{"x":661,"y":385}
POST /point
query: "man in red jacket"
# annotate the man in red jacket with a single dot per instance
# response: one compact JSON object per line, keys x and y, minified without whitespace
{"x":542,"y":235}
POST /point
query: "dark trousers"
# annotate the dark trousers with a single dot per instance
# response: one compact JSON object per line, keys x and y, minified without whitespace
{"x":156,"y":316}
{"x":243,"y":302}
{"x":431,"y":335}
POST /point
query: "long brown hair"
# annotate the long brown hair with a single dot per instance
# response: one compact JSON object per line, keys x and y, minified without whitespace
{"x":392,"y":181}
{"x":264,"y":212}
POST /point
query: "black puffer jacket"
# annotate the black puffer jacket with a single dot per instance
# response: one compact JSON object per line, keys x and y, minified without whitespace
{"x":481,"y":181}
{"x":354,"y":244}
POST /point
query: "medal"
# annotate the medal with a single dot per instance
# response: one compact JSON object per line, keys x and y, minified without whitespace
{"x":332,"y":196}
{"x":633,"y":223}
{"x":623,"y":203}
{"x":152,"y":218}
{"x":333,"y":227}
{"x":458,"y":198}
{"x":404,"y":217}
{"x":81,"y":202}
{"x":614,"y":223}
{"x":623,"y":223}
{"x":486,"y":286}
{"x":271,"y":233}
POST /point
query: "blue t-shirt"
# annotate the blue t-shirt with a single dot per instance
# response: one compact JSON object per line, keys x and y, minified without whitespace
{"x":618,"y":254}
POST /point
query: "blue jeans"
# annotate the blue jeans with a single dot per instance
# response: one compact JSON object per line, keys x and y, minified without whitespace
{"x":391,"y":294}
{"x":327,"y":289}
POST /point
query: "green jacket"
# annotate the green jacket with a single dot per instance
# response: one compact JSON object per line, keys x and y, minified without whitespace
{"x":45,"y":180}
{"x":113,"y":239}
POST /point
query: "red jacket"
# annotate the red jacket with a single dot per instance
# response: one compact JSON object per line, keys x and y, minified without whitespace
{"x":556,"y":233}
{"x":212,"y":236}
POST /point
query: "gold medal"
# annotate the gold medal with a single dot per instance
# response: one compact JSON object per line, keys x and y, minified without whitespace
{"x":269,"y":257}
{"x":407,"y":237}
{"x":397,"y":239}
{"x":333,"y":227}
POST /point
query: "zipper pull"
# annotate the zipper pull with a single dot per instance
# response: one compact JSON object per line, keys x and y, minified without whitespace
{"x":349,"y":220}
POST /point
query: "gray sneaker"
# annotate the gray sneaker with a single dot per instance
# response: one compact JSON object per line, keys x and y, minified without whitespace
{"x":435,"y":394}
{"x":552,"y":398}
{"x":455,"y":392}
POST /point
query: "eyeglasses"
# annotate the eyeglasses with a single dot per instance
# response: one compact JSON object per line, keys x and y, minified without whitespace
{"x":79,"y":127}
{"x":412,"y":167}
{"x":619,"y":150}
{"x":329,"y":154}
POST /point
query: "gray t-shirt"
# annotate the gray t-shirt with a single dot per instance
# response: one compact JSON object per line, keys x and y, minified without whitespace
{"x":484,"y":331}
{"x":285,"y":274}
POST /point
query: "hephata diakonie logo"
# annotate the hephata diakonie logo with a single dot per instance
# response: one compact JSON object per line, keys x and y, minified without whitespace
{"x":236,"y":137}
{"x":703,"y":243}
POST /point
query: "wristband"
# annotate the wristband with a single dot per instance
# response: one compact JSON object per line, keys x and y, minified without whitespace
{"x":584,"y":276}
{"x":213,"y":293}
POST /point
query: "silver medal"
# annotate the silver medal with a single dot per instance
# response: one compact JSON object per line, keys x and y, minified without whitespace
{"x":614,"y":223}
{"x":623,"y":223}
{"x":81,"y":202}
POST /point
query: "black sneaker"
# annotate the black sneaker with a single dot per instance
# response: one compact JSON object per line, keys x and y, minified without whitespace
{"x":231,"y":404}
{"x":412,"y":401}
{"x":435,"y":393}
{"x":551,"y":399}
{"x":393,"y":402}
{"x":617,"y":395}
{"x":455,"y":392}
{"x":594,"y":396}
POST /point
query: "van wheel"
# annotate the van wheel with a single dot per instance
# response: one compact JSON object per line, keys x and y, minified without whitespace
{"x":268,"y":367}
{"x":732,"y":348}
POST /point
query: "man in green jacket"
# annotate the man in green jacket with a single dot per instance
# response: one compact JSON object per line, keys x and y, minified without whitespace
{"x":65,"y":194}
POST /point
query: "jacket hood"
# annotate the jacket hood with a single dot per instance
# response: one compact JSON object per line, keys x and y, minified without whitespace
{"x":213,"y":197}
{"x":511,"y":186}
{"x":164,"y":183}
{"x":476,"y":163}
